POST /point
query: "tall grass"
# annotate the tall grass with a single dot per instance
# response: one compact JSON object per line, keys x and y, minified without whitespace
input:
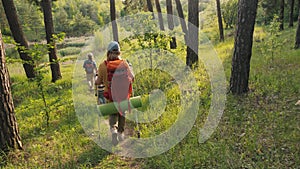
{"x":258,"y":130}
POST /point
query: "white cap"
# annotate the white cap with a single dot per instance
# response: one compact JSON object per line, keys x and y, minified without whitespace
{"x":113,"y":46}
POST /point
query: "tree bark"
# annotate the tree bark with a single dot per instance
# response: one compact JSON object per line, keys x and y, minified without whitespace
{"x":297,"y":41}
{"x":18,"y":35}
{"x":173,"y":44}
{"x":182,"y":20}
{"x":193,"y":33}
{"x":160,"y":18}
{"x":291,"y":23}
{"x":113,"y":20}
{"x":243,"y":46}
{"x":54,"y":64}
{"x":9,"y":132}
{"x":150,"y":8}
{"x":221,"y":30}
{"x":281,"y":17}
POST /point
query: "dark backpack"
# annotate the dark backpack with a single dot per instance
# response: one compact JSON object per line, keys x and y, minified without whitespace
{"x":119,"y":79}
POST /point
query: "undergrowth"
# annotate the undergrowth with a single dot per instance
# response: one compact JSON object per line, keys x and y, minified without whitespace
{"x":257,"y":130}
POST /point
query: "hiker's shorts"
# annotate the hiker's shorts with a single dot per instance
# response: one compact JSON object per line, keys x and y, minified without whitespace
{"x":90,"y":77}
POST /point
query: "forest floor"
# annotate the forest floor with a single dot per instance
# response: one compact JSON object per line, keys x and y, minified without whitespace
{"x":258,"y":130}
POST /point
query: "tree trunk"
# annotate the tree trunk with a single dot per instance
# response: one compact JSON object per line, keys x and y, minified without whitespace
{"x":281,"y":17}
{"x":150,"y":8}
{"x":221,"y":30}
{"x":182,"y":21}
{"x":243,"y":46}
{"x":54,"y":64}
{"x":173,"y":44}
{"x":297,"y":43}
{"x":193,"y":33}
{"x":160,"y":18}
{"x":9,"y":132}
{"x":291,"y":24}
{"x":113,"y":20}
{"x":17,"y":32}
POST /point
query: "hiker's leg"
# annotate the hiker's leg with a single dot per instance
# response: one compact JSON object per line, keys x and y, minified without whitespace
{"x":89,"y":77}
{"x":113,"y":123}
{"x":121,"y":127}
{"x":93,"y":80}
{"x":121,"y":123}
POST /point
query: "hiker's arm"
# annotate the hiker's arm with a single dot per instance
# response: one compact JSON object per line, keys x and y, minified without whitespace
{"x":131,"y":73}
{"x":101,"y":71}
{"x":95,"y":66}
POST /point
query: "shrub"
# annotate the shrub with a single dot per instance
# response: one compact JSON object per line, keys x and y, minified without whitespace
{"x":69,"y":51}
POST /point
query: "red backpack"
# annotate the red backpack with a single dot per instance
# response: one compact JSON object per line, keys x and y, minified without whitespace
{"x":119,"y":80}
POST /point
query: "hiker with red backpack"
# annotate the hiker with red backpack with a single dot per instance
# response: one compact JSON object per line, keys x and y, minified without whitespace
{"x":116,"y":75}
{"x":90,"y":68}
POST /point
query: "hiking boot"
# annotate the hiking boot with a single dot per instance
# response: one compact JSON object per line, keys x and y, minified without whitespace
{"x":120,"y":136}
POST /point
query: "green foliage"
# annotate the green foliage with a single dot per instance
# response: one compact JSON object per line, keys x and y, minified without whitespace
{"x":31,"y":19}
{"x":3,"y":22}
{"x":77,"y":18}
{"x":257,"y":130}
{"x":209,"y":21}
{"x":272,"y":45}
{"x":73,"y":42}
{"x":229,"y":12}
{"x":134,"y":6}
{"x":12,"y":53}
{"x":90,"y":10}
{"x":145,"y":37}
{"x":81,"y":25}
{"x":203,"y":5}
{"x":69,"y":51}
{"x":38,"y":52}
{"x":61,"y":20}
{"x":259,"y":34}
{"x":212,"y":33}
{"x":268,"y":8}
{"x":99,"y":43}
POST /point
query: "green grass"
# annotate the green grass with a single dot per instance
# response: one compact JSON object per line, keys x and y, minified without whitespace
{"x":69,"y":51}
{"x":257,"y":130}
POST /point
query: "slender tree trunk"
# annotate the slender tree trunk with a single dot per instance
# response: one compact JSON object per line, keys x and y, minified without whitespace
{"x":193,"y":33}
{"x":221,"y":30}
{"x":182,"y":20}
{"x":54,"y":64}
{"x":243,"y":46}
{"x":173,"y":44}
{"x":160,"y":18}
{"x":113,"y":20}
{"x":297,"y":42}
{"x":9,"y":132}
{"x":291,"y":24}
{"x":18,"y":35}
{"x":281,"y":17}
{"x":150,"y":8}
